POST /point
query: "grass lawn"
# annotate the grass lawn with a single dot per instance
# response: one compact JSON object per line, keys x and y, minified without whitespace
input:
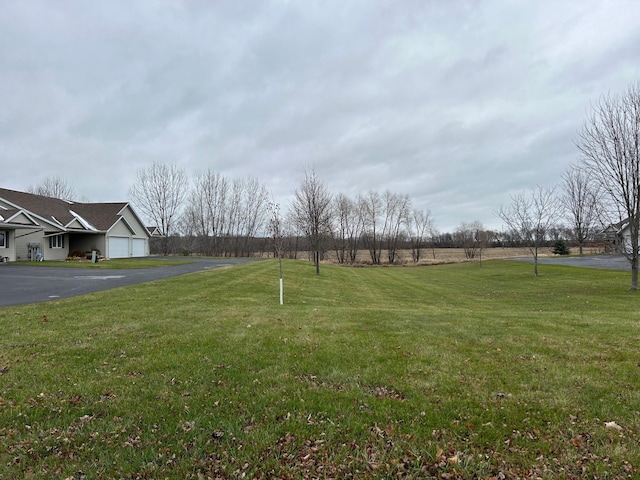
{"x":455,"y":371}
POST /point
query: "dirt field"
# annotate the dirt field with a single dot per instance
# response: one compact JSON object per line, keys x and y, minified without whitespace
{"x":454,"y":255}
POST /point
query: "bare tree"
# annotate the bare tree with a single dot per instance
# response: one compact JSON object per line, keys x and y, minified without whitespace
{"x":226,"y":216}
{"x":582,"y":206}
{"x":609,"y":144}
{"x":472,"y":238}
{"x":276,"y":232}
{"x":253,"y":212}
{"x":420,"y":225}
{"x":312,"y":212}
{"x":370,"y":207}
{"x":383,"y":220}
{"x":291,"y":234}
{"x":54,"y":187}
{"x":346,"y":228}
{"x":397,"y":208}
{"x":531,"y":216}
{"x":206,"y":210}
{"x":159,"y":193}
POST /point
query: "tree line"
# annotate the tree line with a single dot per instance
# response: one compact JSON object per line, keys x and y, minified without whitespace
{"x":215,"y":215}
{"x":218,"y":216}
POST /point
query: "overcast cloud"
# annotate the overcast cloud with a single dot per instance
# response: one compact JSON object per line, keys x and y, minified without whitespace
{"x":456,"y":103}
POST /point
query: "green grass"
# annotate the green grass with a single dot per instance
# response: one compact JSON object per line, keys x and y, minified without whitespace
{"x":454,"y":371}
{"x":116,"y":263}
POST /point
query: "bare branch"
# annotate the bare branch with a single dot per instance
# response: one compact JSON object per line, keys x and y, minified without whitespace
{"x":54,"y":187}
{"x":609,"y":144}
{"x":531,"y":216}
{"x":158,"y":194}
{"x":312,"y":212}
{"x":582,"y":205}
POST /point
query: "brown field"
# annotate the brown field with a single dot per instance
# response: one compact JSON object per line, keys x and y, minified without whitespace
{"x":436,"y":256}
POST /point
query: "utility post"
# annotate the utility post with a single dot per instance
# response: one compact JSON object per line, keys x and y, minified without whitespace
{"x":277,"y":237}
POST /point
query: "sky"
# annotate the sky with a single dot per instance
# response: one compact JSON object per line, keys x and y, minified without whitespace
{"x":457,"y":104}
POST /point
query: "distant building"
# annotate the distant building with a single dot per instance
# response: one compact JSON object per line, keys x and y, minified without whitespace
{"x":33,"y":224}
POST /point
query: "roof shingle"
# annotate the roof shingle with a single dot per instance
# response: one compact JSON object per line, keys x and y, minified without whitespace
{"x":101,"y":216}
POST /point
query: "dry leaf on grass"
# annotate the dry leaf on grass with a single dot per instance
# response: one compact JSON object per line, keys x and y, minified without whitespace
{"x":613,"y":425}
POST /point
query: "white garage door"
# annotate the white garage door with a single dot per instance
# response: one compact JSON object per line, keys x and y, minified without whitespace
{"x":139,"y":247}
{"x":118,"y":247}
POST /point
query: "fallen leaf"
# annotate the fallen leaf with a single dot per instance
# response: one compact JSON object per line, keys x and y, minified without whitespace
{"x":613,"y":425}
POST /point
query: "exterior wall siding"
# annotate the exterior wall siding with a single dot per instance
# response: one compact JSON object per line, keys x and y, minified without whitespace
{"x":55,"y":253}
{"x":22,"y":240}
{"x":140,"y":230}
{"x":139,"y":235}
{"x":119,"y":230}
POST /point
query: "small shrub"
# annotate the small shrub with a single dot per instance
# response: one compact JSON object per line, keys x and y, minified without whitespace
{"x":560,"y":248}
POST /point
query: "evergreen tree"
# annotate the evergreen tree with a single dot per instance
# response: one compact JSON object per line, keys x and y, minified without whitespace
{"x":560,"y":248}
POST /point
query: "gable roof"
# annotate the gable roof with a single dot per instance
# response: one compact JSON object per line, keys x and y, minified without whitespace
{"x":62,"y":214}
{"x":616,"y":228}
{"x":15,"y":216}
{"x":6,"y":214}
{"x":51,"y":210}
{"x":154,"y":231}
{"x":100,"y":216}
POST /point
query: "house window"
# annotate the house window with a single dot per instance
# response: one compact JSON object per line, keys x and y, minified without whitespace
{"x":4,"y":239}
{"x":57,"y":241}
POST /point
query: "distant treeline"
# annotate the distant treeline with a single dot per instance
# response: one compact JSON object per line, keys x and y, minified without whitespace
{"x":298,"y":246}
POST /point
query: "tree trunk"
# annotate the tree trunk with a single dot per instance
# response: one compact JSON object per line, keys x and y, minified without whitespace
{"x":634,"y":230}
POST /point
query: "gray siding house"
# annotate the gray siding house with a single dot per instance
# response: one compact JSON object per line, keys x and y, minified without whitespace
{"x":34,"y":226}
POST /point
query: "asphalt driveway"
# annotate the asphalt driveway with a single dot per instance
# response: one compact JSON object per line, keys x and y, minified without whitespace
{"x":20,"y":284}
{"x":609,"y":262}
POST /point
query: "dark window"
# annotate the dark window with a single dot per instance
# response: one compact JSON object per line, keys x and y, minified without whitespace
{"x":57,"y":241}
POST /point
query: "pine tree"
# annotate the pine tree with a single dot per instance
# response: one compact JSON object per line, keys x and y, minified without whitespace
{"x":560,"y":248}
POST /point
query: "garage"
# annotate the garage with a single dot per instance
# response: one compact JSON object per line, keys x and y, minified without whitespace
{"x":118,"y":247}
{"x":139,"y":247}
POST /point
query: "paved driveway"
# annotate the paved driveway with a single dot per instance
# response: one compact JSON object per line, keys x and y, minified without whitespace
{"x":20,"y":284}
{"x":610,"y":262}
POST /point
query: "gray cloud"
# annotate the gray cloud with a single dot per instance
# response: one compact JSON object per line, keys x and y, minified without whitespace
{"x":457,"y":104}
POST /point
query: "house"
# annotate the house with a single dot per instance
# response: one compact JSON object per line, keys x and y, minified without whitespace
{"x":154,"y":231}
{"x":34,"y":226}
{"x":618,"y":236}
